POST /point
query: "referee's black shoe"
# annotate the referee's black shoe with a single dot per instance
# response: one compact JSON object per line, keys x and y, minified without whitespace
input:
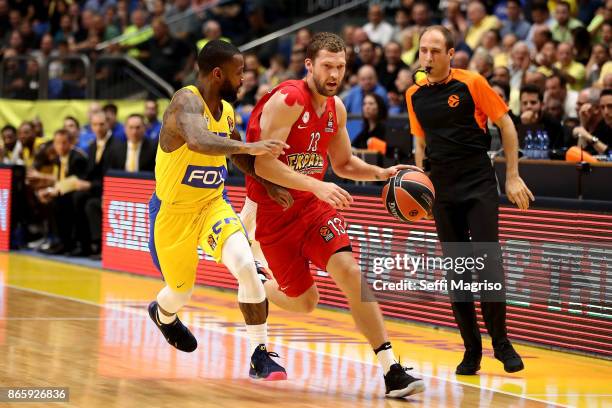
{"x":175,"y":333}
{"x":507,"y":355}
{"x":398,"y":383}
{"x":470,"y":363}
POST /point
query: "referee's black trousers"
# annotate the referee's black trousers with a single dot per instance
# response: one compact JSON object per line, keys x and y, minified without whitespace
{"x":466,"y":213}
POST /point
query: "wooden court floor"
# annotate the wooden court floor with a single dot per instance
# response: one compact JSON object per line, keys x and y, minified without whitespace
{"x":87,"y":329}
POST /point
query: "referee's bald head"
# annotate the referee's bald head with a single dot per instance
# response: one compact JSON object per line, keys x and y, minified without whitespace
{"x":448,"y":36}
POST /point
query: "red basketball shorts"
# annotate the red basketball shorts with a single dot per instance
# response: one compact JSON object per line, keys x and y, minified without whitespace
{"x":310,"y":230}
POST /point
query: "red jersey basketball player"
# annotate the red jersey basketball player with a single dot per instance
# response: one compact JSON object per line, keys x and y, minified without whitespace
{"x":308,"y":116}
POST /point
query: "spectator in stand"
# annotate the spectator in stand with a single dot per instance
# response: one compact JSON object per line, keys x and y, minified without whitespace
{"x":87,"y":198}
{"x":402,"y":22}
{"x":251,"y":62}
{"x":599,"y":56}
{"x":276,"y":73}
{"x":186,"y":27}
{"x":595,"y":26}
{"x":374,"y":116}
{"x":482,"y":62}
{"x":303,"y":37}
{"x":29,"y":37}
{"x":152,"y":123}
{"x":491,"y":43}
{"x":99,"y":6}
{"x":397,"y":99}
{"x":540,"y":17}
{"x":377,"y":29}
{"x":556,"y":87}
{"x":390,"y":66}
{"x":367,"y":82}
{"x":65,"y":32}
{"x":573,"y":72}
{"x":600,"y":140}
{"x":138,"y":153}
{"x":563,"y":23}
{"x":116,"y":128}
{"x":4,"y":18}
{"x":27,"y":144}
{"x":501,"y":74}
{"x":515,"y":23}
{"x":170,"y":58}
{"x":533,"y":117}
{"x":520,"y":63}
{"x":547,"y":58}
{"x":9,"y":141}
{"x":72,"y":126}
{"x":367,"y":54}
{"x":590,"y":114}
{"x":421,"y":17}
{"x":212,"y":31}
{"x":296,"y":69}
{"x":461,"y":60}
{"x":87,"y":135}
{"x":138,"y":33}
{"x":43,"y":54}
{"x":541,"y":35}
{"x":454,"y":18}
{"x":479,"y":23}
{"x":67,"y":161}
{"x":246,"y":94}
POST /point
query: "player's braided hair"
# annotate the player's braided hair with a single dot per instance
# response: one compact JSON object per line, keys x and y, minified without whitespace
{"x":324,"y":41}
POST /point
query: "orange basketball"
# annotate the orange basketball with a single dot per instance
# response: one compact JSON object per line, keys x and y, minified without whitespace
{"x":409,"y":195}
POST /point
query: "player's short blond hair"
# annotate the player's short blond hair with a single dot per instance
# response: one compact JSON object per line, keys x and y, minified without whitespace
{"x":324,"y":41}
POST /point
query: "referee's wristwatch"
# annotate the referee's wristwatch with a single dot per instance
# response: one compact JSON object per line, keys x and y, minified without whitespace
{"x":594,"y":139}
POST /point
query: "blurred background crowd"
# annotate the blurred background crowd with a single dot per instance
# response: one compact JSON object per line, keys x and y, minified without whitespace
{"x":550,"y":60}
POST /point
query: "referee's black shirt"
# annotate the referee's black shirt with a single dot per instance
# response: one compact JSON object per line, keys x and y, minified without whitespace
{"x":452,"y":115}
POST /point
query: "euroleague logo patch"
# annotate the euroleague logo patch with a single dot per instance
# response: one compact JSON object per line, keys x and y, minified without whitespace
{"x":326,"y":233}
{"x":453,"y":101}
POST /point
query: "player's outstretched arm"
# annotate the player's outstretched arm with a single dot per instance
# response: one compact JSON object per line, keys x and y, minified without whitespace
{"x":345,"y":164}
{"x":246,"y":164}
{"x":279,"y":114}
{"x":184,"y":123}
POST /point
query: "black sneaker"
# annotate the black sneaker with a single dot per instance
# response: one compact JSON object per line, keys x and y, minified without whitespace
{"x":399,"y":383}
{"x":507,"y":355}
{"x":470,"y":363}
{"x":175,"y":333}
{"x":263,"y":367}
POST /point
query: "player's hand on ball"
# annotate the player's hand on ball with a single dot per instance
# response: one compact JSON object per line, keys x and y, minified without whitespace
{"x":518,"y":193}
{"x":280,"y":195}
{"x":273,"y":147}
{"x":333,"y":195}
{"x":393,"y":170}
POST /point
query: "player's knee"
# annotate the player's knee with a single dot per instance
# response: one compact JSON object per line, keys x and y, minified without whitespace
{"x":172,"y":300}
{"x":250,"y":288}
{"x":348,"y":275}
{"x":308,"y":301}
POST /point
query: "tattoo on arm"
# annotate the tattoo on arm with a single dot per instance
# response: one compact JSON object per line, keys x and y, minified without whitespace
{"x":184,"y":119}
{"x":246,"y":164}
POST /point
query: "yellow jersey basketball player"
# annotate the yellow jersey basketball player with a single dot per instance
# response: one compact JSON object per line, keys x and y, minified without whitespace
{"x":189,"y":207}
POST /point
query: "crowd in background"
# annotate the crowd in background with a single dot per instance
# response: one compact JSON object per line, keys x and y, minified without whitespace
{"x":59,"y":209}
{"x":550,"y":60}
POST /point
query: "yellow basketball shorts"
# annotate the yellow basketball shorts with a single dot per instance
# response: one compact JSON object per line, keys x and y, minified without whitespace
{"x":176,"y":233}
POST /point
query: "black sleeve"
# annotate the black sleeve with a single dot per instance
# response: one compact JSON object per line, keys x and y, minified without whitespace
{"x":78,"y":165}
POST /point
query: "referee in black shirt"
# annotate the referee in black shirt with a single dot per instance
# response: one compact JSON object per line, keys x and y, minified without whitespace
{"x":448,"y":110}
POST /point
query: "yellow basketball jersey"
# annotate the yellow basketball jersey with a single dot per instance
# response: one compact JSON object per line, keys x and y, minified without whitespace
{"x":187,"y":178}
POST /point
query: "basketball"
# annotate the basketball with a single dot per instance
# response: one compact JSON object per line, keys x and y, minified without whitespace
{"x":409,"y":195}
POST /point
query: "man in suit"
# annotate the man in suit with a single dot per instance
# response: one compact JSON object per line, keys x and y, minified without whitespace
{"x":138,"y":153}
{"x":87,"y":200}
{"x":68,"y":161}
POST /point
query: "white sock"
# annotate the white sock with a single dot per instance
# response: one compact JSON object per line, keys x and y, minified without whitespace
{"x":165,"y":319}
{"x":386,"y":359}
{"x":258,"y":334}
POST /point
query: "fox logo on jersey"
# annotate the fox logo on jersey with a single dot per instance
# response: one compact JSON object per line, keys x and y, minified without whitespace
{"x":306,"y":163}
{"x":204,"y":176}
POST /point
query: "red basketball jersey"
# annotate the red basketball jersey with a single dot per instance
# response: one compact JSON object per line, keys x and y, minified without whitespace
{"x":308,"y":139}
